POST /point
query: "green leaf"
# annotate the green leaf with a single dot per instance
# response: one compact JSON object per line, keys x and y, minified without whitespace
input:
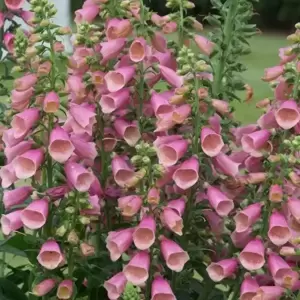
{"x":10,"y":291}
{"x":213,"y":21}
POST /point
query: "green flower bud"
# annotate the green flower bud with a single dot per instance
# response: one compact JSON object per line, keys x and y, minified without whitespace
{"x":45,"y":23}
{"x":297,"y":26}
{"x":73,"y":238}
{"x":146,"y":160}
{"x":136,"y":159}
{"x":84,"y":220}
{"x":70,"y":210}
{"x":37,"y":9}
{"x":61,"y":231}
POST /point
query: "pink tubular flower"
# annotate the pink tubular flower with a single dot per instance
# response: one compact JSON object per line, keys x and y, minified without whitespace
{"x":144,"y":234}
{"x":273,"y":73}
{"x":169,"y":27}
{"x":116,"y":80}
{"x":14,"y":4}
{"x":153,"y":196}
{"x":44,"y":287}
{"x":27,"y":164}
{"x":7,"y":175}
{"x":113,"y":101}
{"x":65,"y":290}
{"x":137,"y":270}
{"x":118,"y":242}
{"x":211,"y":142}
{"x":252,"y":257}
{"x":9,"y":42}
{"x":219,"y":201}
{"x":86,"y":14}
{"x":16,"y":196}
{"x":79,"y":177}
{"x":60,"y":146}
{"x":205,"y":45}
{"x":161,"y":289}
{"x":83,"y":149}
{"x":249,"y":288}
{"x":279,"y":232}
{"x":253,"y":142}
{"x":241,"y":239}
{"x":187,"y":173}
{"x":26,"y":82}
{"x":50,"y":255}
{"x":294,"y":208}
{"x":221,"y":106}
{"x":177,"y":205}
{"x":282,"y":273}
{"x":51,"y":103}
{"x":275,"y":193}
{"x":111,"y":49}
{"x":123,"y":174}
{"x":170,"y":76}
{"x":118,"y":28}
{"x":160,"y":105}
{"x":287,"y":116}
{"x":137,"y":50}
{"x":172,"y":220}
{"x":11,"y":222}
{"x":286,"y":55}
{"x":269,"y":293}
{"x":94,"y":209}
{"x":130,"y":205}
{"x":24,"y":121}
{"x":222,"y":269}
{"x":115,"y":286}
{"x":169,"y":153}
{"x":21,"y":100}
{"x":27,"y":16}
{"x":215,"y":222}
{"x":247,"y":217}
{"x":128,"y":131}
{"x":34,"y":216}
{"x":226,"y":164}
{"x":174,"y":256}
{"x":159,"y":42}
{"x":2,"y":19}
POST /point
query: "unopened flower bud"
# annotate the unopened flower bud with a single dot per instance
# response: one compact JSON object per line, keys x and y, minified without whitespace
{"x":189,"y":4}
{"x":297,"y":26}
{"x":61,"y":231}
{"x":70,"y":210}
{"x":31,"y":51}
{"x":136,"y":159}
{"x":87,"y":250}
{"x":146,"y":160}
{"x":84,"y":220}
{"x":73,"y":238}
{"x":45,"y":23}
{"x":16,"y":69}
{"x":37,"y":9}
{"x":287,"y":251}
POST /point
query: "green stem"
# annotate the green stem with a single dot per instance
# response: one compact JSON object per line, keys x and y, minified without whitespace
{"x":141,"y":95}
{"x":2,"y":273}
{"x":297,"y":82}
{"x":225,"y":48}
{"x":3,"y":9}
{"x":149,"y":282}
{"x":181,"y":24}
{"x":197,"y":123}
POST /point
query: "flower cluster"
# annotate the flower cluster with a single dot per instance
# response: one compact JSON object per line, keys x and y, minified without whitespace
{"x":124,"y":153}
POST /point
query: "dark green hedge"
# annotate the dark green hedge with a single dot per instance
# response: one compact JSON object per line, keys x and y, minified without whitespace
{"x":273,"y":14}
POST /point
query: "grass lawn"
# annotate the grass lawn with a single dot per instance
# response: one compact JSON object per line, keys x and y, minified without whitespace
{"x":264,"y":54}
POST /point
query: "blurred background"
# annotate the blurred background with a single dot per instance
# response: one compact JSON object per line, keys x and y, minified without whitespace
{"x":270,"y":14}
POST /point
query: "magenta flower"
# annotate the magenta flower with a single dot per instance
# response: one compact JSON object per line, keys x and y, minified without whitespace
{"x":51,"y":103}
{"x":247,"y":217}
{"x":118,"y":242}
{"x":11,"y":222}
{"x":252,"y":257}
{"x":137,"y":270}
{"x":138,"y":50}
{"x":129,"y":205}
{"x":144,"y":234}
{"x":174,"y":256}
{"x":172,"y":220}
{"x":249,"y":288}
{"x":161,"y":289}
{"x":65,"y":290}
{"x":60,"y":146}
{"x":44,"y":287}
{"x":113,"y":101}
{"x":34,"y":216}
{"x":128,"y":131}
{"x":50,"y":256}
{"x":86,"y":14}
{"x":115,"y":286}
{"x":211,"y":142}
{"x":279,"y":232}
{"x":222,"y":269}
{"x":287,"y":116}
{"x":16,"y":196}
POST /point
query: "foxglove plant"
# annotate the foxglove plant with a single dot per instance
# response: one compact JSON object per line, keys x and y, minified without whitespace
{"x":119,"y":157}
